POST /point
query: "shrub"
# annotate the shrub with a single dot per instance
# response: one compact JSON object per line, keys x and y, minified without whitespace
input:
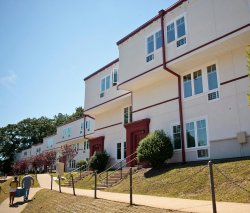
{"x":81,"y":163}
{"x":156,"y":148}
{"x":99,"y":161}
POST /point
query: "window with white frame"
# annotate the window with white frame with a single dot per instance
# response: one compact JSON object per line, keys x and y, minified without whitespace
{"x":196,"y":134}
{"x":118,"y":151}
{"x":193,"y":83}
{"x":72,"y":164}
{"x":176,"y":30}
{"x":115,"y":77}
{"x":154,"y":42}
{"x":127,"y":115}
{"x":105,"y":85}
{"x":124,"y":150}
{"x":87,"y":125}
{"x":82,"y":128}
{"x":66,"y":133}
{"x":177,"y":137}
{"x":84,"y":145}
{"x":50,"y":143}
{"x":87,"y":144}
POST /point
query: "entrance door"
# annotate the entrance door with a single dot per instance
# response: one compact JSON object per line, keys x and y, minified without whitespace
{"x":135,"y":132}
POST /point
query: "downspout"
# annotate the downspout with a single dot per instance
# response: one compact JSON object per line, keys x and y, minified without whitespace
{"x":84,"y":134}
{"x":162,"y":13}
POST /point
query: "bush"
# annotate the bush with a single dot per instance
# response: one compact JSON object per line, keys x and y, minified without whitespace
{"x":81,"y":163}
{"x":156,"y":148}
{"x":99,"y":161}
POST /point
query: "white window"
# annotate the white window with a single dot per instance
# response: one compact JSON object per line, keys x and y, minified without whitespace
{"x":87,"y":125}
{"x":196,"y":134}
{"x":25,"y":153}
{"x":118,"y":151}
{"x":115,"y":77}
{"x":176,"y":30}
{"x":50,"y":143}
{"x":177,"y":136}
{"x":66,"y":133}
{"x":124,"y":150}
{"x":81,"y":128}
{"x":72,"y":164}
{"x":193,"y":83}
{"x":154,"y":42}
{"x":127,"y":115}
{"x":105,"y":85}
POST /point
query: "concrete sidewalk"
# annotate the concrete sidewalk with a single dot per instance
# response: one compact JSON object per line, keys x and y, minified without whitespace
{"x":187,"y":205}
{"x":19,"y":205}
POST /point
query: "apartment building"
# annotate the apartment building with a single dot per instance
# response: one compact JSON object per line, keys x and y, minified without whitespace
{"x":183,"y":71}
{"x":72,"y":133}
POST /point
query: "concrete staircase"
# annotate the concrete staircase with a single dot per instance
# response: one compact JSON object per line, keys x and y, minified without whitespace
{"x":76,"y":178}
{"x":114,"y":178}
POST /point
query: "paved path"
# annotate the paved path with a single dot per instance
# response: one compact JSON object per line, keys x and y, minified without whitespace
{"x":19,"y":205}
{"x":153,"y":201}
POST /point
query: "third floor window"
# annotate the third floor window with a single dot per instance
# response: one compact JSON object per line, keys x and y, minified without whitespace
{"x":154,"y":42}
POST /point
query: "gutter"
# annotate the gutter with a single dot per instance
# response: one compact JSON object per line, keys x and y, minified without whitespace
{"x":161,"y":14}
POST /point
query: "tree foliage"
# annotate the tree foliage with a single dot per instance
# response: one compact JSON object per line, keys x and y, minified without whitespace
{"x":99,"y":161}
{"x":156,"y":148}
{"x":67,"y":153}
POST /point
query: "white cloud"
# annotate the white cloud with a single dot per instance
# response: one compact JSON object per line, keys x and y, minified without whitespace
{"x":8,"y":80}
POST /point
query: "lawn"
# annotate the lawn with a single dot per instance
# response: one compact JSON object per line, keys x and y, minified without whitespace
{"x":61,"y":202}
{"x":192,"y":181}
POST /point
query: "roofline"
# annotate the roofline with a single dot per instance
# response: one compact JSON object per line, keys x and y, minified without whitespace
{"x":178,"y":3}
{"x":68,"y":122}
{"x":101,"y":69}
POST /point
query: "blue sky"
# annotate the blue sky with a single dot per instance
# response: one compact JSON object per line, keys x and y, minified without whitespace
{"x":47,"y":47}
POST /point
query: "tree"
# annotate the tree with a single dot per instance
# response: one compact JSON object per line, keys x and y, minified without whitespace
{"x":67,"y":153}
{"x":99,"y":161}
{"x":156,"y":148}
{"x":49,"y":158}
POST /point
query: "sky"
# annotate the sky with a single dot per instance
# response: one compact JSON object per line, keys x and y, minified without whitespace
{"x":47,"y":48}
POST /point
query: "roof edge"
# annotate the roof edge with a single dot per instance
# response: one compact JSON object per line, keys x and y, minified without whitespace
{"x":101,"y":69}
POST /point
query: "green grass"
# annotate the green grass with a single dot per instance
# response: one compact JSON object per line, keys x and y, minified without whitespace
{"x":182,"y":181}
{"x":36,"y":184}
{"x":53,"y":202}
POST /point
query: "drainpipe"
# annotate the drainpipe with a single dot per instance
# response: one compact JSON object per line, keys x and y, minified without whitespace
{"x":84,"y":126}
{"x":162,"y":13}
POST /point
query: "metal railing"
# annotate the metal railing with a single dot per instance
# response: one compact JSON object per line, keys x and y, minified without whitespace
{"x":79,"y":171}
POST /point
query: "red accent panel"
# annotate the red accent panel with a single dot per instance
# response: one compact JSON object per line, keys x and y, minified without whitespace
{"x":135,"y":131}
{"x":96,"y":144}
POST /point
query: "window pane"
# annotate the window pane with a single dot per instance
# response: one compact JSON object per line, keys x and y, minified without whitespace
{"x":180,"y":27}
{"x":201,"y":133}
{"x":150,"y":44}
{"x":190,"y":134}
{"x":126,"y":115}
{"x":158,"y":39}
{"x":115,"y":76}
{"x":118,"y":150}
{"x":177,"y":136}
{"x":198,"y":87}
{"x":103,"y":85}
{"x":170,"y":33}
{"x":187,"y":85}
{"x":212,"y":77}
{"x":107,"y":82}
{"x":130,"y":114}
{"x":125,"y":150}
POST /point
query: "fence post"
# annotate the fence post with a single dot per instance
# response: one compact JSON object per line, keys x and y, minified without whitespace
{"x":51,"y":182}
{"x":73,"y":185}
{"x":130,"y":186}
{"x":80,"y":173}
{"x":59,"y":183}
{"x":211,"y":176}
{"x":107,"y":176}
{"x":95,"y":183}
{"x":121,"y":168}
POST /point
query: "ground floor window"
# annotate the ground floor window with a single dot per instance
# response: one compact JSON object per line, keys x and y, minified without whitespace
{"x":118,"y":151}
{"x":125,"y":150}
{"x":177,"y":136}
{"x":72,"y":164}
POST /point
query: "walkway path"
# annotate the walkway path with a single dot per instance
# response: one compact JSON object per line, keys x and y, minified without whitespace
{"x":153,"y":201}
{"x":19,"y":205}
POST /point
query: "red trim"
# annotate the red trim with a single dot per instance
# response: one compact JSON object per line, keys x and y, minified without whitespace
{"x":161,"y":13}
{"x":101,"y":69}
{"x":70,"y":139}
{"x":107,"y":101}
{"x":235,"y":79}
{"x":152,"y":69}
{"x":89,"y":116}
{"x":71,"y":121}
{"x":210,"y":42}
{"x":96,"y":143}
{"x":163,"y":102}
{"x":149,"y":22}
{"x":108,"y":126}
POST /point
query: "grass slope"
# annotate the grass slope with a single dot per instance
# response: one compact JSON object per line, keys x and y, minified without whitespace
{"x":53,"y":202}
{"x":182,"y":181}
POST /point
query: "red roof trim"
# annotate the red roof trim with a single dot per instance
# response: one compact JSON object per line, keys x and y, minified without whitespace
{"x":178,"y":3}
{"x":101,"y":69}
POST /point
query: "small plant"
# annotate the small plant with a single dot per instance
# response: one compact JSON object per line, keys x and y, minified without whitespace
{"x":81,"y":163}
{"x":99,"y":161}
{"x":156,"y":148}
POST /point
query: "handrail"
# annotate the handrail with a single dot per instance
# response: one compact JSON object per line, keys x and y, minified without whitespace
{"x":101,"y":179}
{"x":85,"y":166}
{"x":116,"y":164}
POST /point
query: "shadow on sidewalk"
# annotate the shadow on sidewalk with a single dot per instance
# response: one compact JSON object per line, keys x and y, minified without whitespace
{"x":19,"y":203}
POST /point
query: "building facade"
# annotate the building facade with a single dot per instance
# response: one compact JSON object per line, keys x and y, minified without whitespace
{"x":183,"y":71}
